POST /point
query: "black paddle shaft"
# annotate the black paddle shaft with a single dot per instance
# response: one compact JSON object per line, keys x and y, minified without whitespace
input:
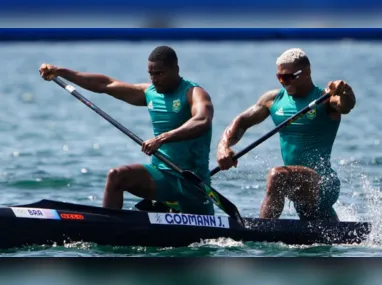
{"x":276,"y":129}
{"x":224,"y":204}
{"x":130,"y":134}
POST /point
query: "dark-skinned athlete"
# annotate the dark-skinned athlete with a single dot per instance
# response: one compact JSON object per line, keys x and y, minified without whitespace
{"x":307,"y":177}
{"x":181,"y":113}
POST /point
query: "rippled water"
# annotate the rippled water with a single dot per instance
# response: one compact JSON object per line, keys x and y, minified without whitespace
{"x":54,"y":147}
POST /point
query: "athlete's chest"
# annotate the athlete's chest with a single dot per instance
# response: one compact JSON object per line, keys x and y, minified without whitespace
{"x":161,"y":103}
{"x":285,"y":109}
{"x":172,"y":110}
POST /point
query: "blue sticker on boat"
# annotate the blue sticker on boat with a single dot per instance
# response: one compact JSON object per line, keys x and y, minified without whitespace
{"x":189,"y":220}
{"x":36,"y":213}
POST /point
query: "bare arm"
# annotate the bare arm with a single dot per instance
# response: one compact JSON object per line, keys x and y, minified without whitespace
{"x":202,"y":112}
{"x":250,"y":117}
{"x":131,"y":93}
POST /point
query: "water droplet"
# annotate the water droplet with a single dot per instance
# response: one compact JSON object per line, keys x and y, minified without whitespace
{"x":84,"y":170}
{"x":342,"y":162}
{"x":376,"y":142}
{"x":96,"y":146}
{"x":38,"y":179}
{"x":16,"y":153}
{"x":65,"y":147}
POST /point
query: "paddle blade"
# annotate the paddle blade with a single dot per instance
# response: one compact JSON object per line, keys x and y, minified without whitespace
{"x":218,"y":199}
{"x":203,"y":187}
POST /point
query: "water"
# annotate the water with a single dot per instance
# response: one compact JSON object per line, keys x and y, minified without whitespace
{"x":54,"y":147}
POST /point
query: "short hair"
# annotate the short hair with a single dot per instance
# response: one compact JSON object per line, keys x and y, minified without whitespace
{"x":165,"y":54}
{"x":294,"y":56}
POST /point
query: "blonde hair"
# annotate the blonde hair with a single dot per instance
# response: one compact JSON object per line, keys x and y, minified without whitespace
{"x":293,"y":56}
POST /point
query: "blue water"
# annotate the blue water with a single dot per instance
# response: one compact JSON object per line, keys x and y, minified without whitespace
{"x":54,"y":147}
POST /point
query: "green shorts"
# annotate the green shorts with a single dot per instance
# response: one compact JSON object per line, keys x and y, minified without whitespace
{"x":171,"y":187}
{"x":328,"y":195}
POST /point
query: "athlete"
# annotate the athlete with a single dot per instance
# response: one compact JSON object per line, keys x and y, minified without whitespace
{"x":181,"y":113}
{"x":307,"y":177}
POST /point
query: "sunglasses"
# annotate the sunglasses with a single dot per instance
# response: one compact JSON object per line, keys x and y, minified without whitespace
{"x":289,"y":76}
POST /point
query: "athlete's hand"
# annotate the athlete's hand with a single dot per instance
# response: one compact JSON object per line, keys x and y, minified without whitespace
{"x":224,"y":157}
{"x":152,"y":145}
{"x":47,"y":71}
{"x":338,"y":88}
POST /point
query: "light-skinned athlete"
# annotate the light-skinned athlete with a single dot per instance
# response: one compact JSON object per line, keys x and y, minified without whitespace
{"x":307,"y":177}
{"x":181,"y":113}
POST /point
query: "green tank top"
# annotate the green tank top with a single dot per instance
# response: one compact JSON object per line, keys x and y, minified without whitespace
{"x":169,"y":111}
{"x":309,"y":140}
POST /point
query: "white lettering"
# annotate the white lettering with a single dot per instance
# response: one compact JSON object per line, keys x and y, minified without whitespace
{"x":189,"y":220}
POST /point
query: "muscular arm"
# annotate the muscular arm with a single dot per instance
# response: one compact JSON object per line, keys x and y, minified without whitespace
{"x":250,"y":117}
{"x":98,"y":83}
{"x":202,"y":112}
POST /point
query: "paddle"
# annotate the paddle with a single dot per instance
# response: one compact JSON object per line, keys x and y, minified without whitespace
{"x":144,"y":205}
{"x":288,"y":121}
{"x":219,"y":200}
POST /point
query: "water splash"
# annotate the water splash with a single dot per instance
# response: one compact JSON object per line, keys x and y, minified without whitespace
{"x":220,"y":242}
{"x":373,"y":201}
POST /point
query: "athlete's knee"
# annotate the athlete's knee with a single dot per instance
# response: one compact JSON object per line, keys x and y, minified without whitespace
{"x":117,"y":174}
{"x":278,"y":175}
{"x":277,"y":181}
{"x":113,"y":174}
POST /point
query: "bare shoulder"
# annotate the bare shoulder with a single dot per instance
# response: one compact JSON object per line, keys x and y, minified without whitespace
{"x":268,"y":97}
{"x":200,"y":103}
{"x":197,"y":93}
